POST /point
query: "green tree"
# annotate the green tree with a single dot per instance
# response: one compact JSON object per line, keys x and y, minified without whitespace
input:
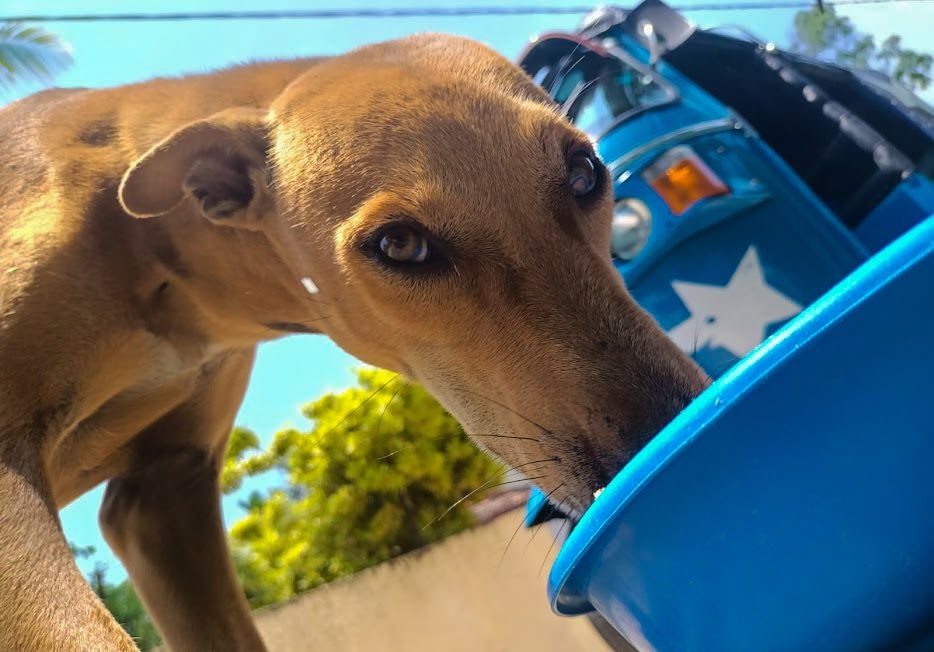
{"x":126,"y":607}
{"x":30,"y":54}
{"x":829,"y":36}
{"x":121,"y":600}
{"x":369,"y":481}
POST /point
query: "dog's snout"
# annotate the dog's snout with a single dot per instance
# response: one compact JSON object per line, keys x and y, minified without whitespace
{"x":636,"y":381}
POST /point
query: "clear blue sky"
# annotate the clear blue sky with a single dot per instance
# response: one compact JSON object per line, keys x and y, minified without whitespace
{"x":292,"y":371}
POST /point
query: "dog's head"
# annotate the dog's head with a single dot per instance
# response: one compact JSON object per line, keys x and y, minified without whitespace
{"x":458,"y":230}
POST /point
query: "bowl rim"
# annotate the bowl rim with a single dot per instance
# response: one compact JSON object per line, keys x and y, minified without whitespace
{"x":566,"y":591}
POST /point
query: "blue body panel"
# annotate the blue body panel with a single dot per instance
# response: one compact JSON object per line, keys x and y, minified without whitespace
{"x":800,"y":245}
{"x":905,"y":206}
{"x":801,"y":248}
{"x":790,"y":506}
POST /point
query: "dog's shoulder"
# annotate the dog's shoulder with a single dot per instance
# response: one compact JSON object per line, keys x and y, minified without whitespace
{"x":73,"y":143}
{"x":136,"y":116}
{"x":45,"y":163}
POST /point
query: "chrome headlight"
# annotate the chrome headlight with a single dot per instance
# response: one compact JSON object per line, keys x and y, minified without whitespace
{"x":632,"y":225}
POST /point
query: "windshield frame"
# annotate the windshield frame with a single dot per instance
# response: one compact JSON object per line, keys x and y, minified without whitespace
{"x":608,"y":48}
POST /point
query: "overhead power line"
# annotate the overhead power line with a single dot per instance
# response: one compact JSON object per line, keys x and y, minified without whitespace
{"x":414,"y":12}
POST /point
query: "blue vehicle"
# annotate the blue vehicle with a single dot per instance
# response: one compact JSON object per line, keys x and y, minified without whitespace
{"x":755,"y":190}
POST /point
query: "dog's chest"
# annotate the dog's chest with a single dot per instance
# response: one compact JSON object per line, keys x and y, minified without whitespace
{"x":169,"y":365}
{"x":171,"y":376}
{"x":98,"y":445}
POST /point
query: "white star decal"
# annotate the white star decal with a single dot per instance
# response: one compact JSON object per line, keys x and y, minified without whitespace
{"x":733,"y":316}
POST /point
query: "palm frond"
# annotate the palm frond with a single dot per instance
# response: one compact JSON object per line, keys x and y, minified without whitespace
{"x":30,"y":54}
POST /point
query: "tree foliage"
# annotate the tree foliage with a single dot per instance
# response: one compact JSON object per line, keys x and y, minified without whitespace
{"x":121,"y":600}
{"x":30,"y":54}
{"x":368,"y":482}
{"x":126,"y":607}
{"x":829,"y":36}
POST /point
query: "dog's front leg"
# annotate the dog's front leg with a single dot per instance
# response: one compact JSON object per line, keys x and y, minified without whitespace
{"x":45,"y":604}
{"x":163,"y":519}
{"x":164,"y":522}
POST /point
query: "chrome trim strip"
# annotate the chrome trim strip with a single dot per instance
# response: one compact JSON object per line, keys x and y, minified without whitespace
{"x":618,"y":167}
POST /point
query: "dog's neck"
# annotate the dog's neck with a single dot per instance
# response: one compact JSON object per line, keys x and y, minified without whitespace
{"x":227,"y":286}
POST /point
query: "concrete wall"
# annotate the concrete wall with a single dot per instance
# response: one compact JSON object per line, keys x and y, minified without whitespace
{"x":455,"y":596}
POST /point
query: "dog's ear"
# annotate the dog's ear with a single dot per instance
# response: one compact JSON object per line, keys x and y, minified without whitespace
{"x":219,"y":163}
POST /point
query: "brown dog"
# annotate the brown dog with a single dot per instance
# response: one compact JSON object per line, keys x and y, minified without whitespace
{"x":456,"y":229}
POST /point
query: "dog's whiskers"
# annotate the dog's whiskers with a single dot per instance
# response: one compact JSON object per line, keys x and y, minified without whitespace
{"x":577,"y":46}
{"x":521,"y":523}
{"x":506,"y":407}
{"x":516,"y":481}
{"x":514,"y":437}
{"x":451,"y":436}
{"x":356,"y":409}
{"x":555,"y":540}
{"x":593,"y":81}
{"x":532,"y":538}
{"x":379,"y":424}
{"x":483,"y":486}
{"x":579,"y":91}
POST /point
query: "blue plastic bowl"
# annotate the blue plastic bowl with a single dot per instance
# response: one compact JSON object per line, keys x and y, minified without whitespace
{"x":791,"y":506}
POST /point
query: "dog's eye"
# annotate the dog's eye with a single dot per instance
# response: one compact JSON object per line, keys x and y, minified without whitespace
{"x":403,"y":244}
{"x":582,"y":173}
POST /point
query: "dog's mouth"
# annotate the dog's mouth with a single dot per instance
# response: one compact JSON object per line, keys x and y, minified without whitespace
{"x":550,"y":512}
{"x":579,"y":489}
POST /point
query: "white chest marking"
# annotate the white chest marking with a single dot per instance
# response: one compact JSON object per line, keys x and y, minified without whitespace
{"x":309,"y":285}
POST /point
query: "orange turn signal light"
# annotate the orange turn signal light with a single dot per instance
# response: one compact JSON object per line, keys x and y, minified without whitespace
{"x":681,"y":178}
